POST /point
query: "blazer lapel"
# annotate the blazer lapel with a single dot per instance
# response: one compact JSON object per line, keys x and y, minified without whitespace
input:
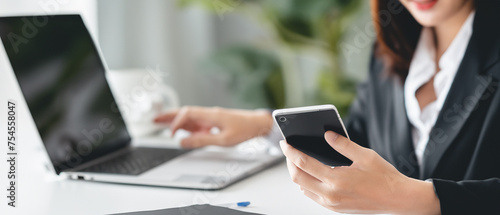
{"x":399,"y":129}
{"x":471,"y":81}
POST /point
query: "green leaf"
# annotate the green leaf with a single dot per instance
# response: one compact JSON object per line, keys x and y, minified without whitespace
{"x":256,"y":76}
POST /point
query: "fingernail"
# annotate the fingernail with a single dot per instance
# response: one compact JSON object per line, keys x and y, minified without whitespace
{"x":330,"y":135}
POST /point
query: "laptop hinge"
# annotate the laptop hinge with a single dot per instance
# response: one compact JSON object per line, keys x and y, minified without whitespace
{"x":100,"y":159}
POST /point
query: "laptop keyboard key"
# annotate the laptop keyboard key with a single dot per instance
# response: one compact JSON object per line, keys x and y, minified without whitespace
{"x":136,"y":161}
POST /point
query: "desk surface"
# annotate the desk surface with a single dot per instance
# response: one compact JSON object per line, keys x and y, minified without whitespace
{"x":40,"y":192}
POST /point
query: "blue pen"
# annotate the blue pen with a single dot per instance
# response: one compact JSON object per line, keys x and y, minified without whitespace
{"x":237,"y":204}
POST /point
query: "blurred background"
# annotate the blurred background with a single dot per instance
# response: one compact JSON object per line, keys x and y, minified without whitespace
{"x":231,"y":53}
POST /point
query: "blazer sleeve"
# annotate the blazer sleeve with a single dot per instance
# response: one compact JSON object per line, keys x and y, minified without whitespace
{"x":356,"y":124}
{"x":468,"y":197}
{"x":356,"y":121}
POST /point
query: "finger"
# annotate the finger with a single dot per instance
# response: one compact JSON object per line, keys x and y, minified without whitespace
{"x":199,"y":129}
{"x":209,"y":115}
{"x":304,"y":179}
{"x":196,"y":127}
{"x":166,"y":117}
{"x":201,"y":140}
{"x":305,"y":162}
{"x":191,"y":127}
{"x":180,"y":119}
{"x":206,"y":115}
{"x":344,"y":146}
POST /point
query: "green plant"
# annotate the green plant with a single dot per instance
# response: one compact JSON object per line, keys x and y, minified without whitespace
{"x":255,"y":75}
{"x":300,"y":27}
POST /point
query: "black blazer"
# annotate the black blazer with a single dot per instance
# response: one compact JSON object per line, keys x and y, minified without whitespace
{"x":463,"y":154}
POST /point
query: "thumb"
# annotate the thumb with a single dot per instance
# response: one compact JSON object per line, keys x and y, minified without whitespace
{"x":201,"y":140}
{"x":345,"y":146}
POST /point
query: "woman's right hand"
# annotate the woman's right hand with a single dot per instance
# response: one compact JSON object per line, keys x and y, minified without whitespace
{"x":235,"y":125}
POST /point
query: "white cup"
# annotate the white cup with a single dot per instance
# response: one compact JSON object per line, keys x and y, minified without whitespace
{"x":141,"y":95}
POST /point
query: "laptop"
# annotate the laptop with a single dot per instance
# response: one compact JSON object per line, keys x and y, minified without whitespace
{"x":62,"y":76}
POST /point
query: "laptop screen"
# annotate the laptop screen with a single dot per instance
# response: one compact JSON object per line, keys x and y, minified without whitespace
{"x":63,"y":81}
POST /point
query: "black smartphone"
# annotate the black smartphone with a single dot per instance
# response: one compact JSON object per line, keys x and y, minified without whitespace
{"x":304,"y":128}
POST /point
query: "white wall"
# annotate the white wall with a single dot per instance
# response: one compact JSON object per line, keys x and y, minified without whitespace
{"x":150,"y":33}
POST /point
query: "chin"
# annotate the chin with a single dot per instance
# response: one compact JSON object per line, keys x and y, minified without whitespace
{"x":427,"y":20}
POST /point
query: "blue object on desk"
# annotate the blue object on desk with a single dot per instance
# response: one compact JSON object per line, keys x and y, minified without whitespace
{"x":243,"y":204}
{"x":237,"y":204}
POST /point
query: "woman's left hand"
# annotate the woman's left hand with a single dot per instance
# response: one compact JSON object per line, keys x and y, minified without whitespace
{"x":369,"y":185}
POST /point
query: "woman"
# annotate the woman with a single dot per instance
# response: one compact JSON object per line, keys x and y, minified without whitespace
{"x":423,"y":127}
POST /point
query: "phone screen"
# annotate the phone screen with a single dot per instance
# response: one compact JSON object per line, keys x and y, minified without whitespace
{"x":305,"y":131}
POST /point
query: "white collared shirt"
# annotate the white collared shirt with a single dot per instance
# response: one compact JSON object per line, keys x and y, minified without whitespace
{"x":422,"y":69}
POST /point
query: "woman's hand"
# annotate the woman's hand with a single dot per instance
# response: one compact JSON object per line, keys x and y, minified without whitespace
{"x":369,"y":185}
{"x":235,"y":126}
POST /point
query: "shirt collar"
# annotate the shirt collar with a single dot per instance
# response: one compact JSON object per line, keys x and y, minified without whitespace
{"x":423,"y":68}
{"x":452,"y":55}
{"x":426,"y":50}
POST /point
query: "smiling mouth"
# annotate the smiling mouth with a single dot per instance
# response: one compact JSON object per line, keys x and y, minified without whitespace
{"x":424,"y":4}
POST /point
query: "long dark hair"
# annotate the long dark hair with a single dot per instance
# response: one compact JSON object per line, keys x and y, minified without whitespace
{"x":397,"y":35}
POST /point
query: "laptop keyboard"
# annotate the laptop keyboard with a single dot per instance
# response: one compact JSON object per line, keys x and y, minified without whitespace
{"x":135,"y":161}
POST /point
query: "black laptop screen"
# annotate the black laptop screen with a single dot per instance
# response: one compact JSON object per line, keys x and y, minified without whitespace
{"x":63,"y":81}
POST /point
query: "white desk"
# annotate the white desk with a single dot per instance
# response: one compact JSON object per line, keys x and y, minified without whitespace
{"x":270,"y":192}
